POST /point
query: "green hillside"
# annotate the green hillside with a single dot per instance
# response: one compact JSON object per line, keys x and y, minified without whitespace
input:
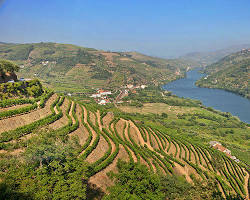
{"x":230,"y":73}
{"x":68,"y":67}
{"x":54,"y":147}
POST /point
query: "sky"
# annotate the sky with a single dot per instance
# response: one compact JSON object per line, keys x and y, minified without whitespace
{"x":164,"y":28}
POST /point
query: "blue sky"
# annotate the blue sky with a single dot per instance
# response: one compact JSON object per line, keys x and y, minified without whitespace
{"x":156,"y":27}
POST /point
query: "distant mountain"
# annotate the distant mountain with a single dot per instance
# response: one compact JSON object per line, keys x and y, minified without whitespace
{"x":72,"y":67}
{"x":230,"y":73}
{"x":207,"y":58}
{"x":6,"y":43}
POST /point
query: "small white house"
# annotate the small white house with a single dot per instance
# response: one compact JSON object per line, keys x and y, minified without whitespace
{"x":106,"y":93}
{"x":143,"y":86}
{"x":213,"y":143}
{"x":227,"y":151}
{"x":95,"y":95}
{"x":103,"y":102}
{"x":130,"y":86}
{"x":233,"y":157}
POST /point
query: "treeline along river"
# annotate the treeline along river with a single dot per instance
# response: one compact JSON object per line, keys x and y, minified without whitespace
{"x":219,"y":99}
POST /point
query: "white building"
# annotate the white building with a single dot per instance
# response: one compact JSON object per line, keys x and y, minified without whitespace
{"x":103,"y":102}
{"x":105,"y":93}
{"x":227,"y":151}
{"x":95,"y":95}
{"x":213,"y":143}
{"x":233,"y":157}
{"x":130,"y":86}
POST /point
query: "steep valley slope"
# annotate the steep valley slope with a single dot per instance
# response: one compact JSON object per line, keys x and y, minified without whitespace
{"x":73,"y":68}
{"x":230,"y":73}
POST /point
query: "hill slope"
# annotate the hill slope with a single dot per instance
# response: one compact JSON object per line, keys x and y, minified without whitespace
{"x":207,"y":58}
{"x":70,"y":67}
{"x":230,"y":73}
{"x":100,"y":135}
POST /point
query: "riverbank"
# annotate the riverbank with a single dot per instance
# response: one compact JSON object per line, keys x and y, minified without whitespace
{"x":219,"y":99}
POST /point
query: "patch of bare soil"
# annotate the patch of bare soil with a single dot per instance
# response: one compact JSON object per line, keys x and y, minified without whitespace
{"x":182,"y":171}
{"x":246,"y":184}
{"x":107,"y":119}
{"x":13,"y":153}
{"x":192,"y":156}
{"x":196,"y":154}
{"x":135,"y":136}
{"x":154,"y":168}
{"x":119,"y":127}
{"x":81,"y":132}
{"x":91,"y":129}
{"x":161,"y":143}
{"x":92,"y":118}
{"x":172,"y":149}
{"x":221,"y":190}
{"x":14,"y":107}
{"x":148,"y":141}
{"x":62,"y":121}
{"x":184,"y":149}
{"x":154,"y":142}
{"x":178,"y":150}
{"x":126,"y":59}
{"x":99,"y":119}
{"x":109,"y":55}
{"x":99,"y":151}
{"x":71,"y":113}
{"x":21,"y":120}
{"x":101,"y":179}
{"x":126,"y":135}
{"x":203,"y":160}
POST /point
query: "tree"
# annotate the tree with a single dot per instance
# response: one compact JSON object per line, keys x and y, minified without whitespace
{"x":8,"y":66}
{"x":51,"y":170}
{"x":134,"y":181}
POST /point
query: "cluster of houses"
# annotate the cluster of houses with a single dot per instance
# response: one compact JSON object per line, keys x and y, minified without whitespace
{"x":130,"y":86}
{"x":219,"y":147}
{"x":44,"y":63}
{"x":243,"y":51}
{"x":101,"y":97}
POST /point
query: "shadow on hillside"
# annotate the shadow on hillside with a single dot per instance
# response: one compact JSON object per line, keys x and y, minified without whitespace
{"x":93,"y":192}
{"x":6,"y":193}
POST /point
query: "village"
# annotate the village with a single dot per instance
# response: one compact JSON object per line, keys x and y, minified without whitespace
{"x":103,"y":97}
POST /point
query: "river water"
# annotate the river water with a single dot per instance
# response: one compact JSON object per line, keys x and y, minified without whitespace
{"x":216,"y":98}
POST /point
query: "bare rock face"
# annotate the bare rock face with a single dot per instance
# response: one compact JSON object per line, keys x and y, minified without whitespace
{"x":5,"y":77}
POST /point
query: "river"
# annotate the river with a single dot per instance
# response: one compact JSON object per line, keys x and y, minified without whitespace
{"x":219,"y":99}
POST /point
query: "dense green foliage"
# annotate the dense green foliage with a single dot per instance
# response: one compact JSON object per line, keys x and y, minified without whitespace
{"x":134,"y":181}
{"x":21,"y":89}
{"x":7,"y":66}
{"x":51,"y":171}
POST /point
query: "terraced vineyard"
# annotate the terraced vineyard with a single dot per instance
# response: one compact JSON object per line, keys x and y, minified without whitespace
{"x":105,"y":137}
